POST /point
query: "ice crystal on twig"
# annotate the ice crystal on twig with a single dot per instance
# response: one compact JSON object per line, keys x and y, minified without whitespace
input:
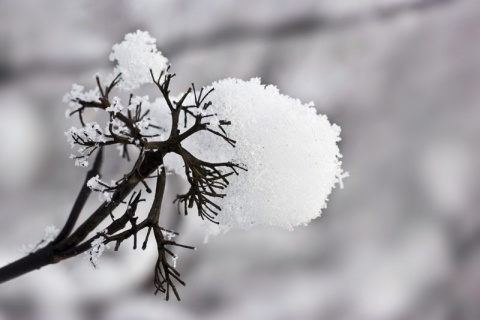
{"x":97,"y":248}
{"x":50,"y":233}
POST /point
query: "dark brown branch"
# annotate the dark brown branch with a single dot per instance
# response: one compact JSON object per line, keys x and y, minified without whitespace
{"x":206,"y":183}
{"x":33,"y":261}
{"x":154,"y":214}
{"x":165,"y":274}
{"x":81,"y":199}
{"x":149,"y":164}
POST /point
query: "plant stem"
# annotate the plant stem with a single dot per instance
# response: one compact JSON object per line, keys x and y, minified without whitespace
{"x":54,"y":252}
{"x":33,"y":261}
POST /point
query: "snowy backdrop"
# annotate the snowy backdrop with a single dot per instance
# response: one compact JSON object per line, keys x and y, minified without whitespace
{"x":402,"y":79}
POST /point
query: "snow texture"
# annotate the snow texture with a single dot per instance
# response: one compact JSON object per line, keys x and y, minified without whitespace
{"x":135,"y":56}
{"x":291,"y":154}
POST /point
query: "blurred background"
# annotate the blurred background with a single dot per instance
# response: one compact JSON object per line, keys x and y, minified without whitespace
{"x":402,"y":79}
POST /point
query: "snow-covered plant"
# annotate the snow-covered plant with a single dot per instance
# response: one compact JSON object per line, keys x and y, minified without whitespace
{"x":251,"y":156}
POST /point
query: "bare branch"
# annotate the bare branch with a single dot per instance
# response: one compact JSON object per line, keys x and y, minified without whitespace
{"x":81,"y":198}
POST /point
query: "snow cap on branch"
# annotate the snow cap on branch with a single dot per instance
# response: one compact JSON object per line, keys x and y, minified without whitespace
{"x":135,"y":56}
{"x":290,"y":152}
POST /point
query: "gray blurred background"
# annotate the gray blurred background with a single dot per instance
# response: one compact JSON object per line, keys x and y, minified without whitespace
{"x":402,"y":79}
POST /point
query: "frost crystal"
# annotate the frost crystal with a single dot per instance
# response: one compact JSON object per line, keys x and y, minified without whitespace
{"x":174,"y":260}
{"x":51,"y":233}
{"x":290,"y":152}
{"x":115,"y":106}
{"x":135,"y":56}
{"x":117,"y":127}
{"x":105,"y":191}
{"x":80,"y":161}
{"x":169,"y":234}
{"x":90,"y":133}
{"x":77,"y":94}
{"x":98,"y":246}
{"x":142,"y":125}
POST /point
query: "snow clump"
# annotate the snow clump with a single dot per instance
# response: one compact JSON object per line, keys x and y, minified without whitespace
{"x":135,"y":56}
{"x":290,"y":151}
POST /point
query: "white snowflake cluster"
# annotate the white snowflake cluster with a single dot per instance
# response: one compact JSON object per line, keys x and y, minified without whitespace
{"x":91,"y":133}
{"x":156,"y":110}
{"x":97,"y":249}
{"x":142,"y":125}
{"x":115,"y":106}
{"x":77,"y":94}
{"x":135,"y":56}
{"x":105,"y":190}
